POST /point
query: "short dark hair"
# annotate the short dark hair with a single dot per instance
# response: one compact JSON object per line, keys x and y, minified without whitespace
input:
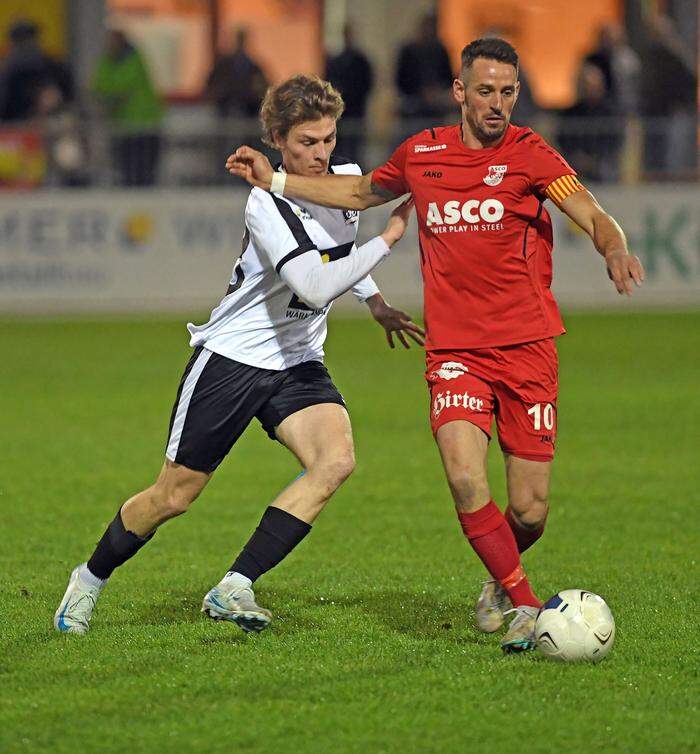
{"x":492,"y":48}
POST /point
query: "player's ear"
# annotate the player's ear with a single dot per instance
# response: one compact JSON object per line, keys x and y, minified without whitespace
{"x":279,"y":140}
{"x":458,"y":91}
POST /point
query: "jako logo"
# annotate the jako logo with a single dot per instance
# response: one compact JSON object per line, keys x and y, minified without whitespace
{"x":432,"y":174}
{"x":456,"y":400}
{"x":490,"y":211}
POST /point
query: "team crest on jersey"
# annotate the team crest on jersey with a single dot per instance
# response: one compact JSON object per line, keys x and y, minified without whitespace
{"x":350,"y":216}
{"x":302,"y":213}
{"x":495,"y":176}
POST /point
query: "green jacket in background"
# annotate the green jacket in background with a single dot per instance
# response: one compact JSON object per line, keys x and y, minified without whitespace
{"x":125,"y":87}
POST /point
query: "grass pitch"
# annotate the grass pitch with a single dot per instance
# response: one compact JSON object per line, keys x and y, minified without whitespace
{"x":373,"y":648}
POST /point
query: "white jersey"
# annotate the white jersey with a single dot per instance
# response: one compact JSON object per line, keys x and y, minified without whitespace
{"x":260,"y":321}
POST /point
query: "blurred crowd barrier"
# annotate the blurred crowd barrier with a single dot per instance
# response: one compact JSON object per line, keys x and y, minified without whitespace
{"x":167,"y":250}
{"x":190,"y":148}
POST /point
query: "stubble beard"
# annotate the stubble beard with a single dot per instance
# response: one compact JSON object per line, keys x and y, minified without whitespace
{"x":487,"y":137}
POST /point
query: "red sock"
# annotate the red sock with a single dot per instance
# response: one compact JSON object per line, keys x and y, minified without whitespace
{"x":493,"y":541}
{"x":524,"y":536}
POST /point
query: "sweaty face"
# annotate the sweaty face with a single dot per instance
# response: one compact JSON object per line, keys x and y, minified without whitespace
{"x":307,"y":147}
{"x":487,"y":92}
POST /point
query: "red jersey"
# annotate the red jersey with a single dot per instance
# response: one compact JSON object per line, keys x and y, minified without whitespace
{"x":485,"y":236}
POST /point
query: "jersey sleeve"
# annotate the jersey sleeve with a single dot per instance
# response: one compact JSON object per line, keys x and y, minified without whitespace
{"x":364,"y":289}
{"x":318,"y":284}
{"x":392,"y":175}
{"x":275,"y":229}
{"x":550,"y":174}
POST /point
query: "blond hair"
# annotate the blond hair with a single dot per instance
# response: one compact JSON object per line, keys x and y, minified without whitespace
{"x":297,"y":100}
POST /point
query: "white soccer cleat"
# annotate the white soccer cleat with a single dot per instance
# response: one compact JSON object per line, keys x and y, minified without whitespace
{"x":491,"y":606}
{"x":520,"y":636}
{"x":74,"y":612}
{"x":236,"y":604}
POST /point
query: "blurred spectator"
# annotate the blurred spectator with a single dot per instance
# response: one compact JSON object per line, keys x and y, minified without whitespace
{"x":526,"y":108}
{"x":122,"y":83}
{"x":621,"y":68}
{"x":67,"y":161}
{"x":236,"y":83}
{"x":590,"y":133}
{"x":669,"y":97}
{"x":424,"y":77}
{"x":28,"y":75}
{"x":351,"y":73}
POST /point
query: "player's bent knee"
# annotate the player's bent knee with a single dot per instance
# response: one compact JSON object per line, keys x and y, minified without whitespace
{"x":336,"y":469}
{"x":467,"y":486}
{"x":532,"y":513}
{"x":172,"y":503}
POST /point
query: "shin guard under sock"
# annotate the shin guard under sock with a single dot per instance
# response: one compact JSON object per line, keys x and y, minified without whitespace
{"x":493,"y":541}
{"x":115,"y":548}
{"x":278,"y":533}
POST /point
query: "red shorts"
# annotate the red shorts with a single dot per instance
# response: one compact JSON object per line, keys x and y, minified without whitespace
{"x":516,"y":384}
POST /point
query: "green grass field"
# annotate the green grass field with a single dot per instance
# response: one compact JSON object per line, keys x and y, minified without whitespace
{"x":373,"y":648}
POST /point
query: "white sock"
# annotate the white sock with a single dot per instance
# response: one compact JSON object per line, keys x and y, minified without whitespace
{"x":89,"y":578}
{"x":238,"y":580}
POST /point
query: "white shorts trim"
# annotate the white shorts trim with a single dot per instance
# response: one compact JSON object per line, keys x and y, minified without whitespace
{"x":184,"y":403}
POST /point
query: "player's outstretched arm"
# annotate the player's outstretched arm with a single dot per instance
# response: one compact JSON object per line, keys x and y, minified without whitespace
{"x":317,"y":284}
{"x":336,"y":191}
{"x":608,"y":238}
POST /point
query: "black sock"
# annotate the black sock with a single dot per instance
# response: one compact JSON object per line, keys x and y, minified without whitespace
{"x":116,"y":547}
{"x":278,"y":533}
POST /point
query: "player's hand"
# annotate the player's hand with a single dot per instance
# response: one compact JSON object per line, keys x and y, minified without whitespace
{"x":623,"y":270}
{"x":252,"y":166}
{"x":394,"y":321}
{"x":398,"y":222}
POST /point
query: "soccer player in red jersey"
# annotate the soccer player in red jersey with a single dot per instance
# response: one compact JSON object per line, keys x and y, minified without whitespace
{"x":480,"y":189}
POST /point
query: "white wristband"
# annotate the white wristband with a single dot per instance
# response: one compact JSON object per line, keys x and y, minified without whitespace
{"x":277,"y":183}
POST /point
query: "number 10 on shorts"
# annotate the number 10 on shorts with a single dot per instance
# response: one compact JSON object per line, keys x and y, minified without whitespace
{"x":542,"y":415}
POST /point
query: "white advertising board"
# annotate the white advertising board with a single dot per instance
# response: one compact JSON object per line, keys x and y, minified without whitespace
{"x":157,"y":250}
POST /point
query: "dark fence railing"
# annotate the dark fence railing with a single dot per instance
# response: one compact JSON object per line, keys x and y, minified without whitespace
{"x":191,"y":146}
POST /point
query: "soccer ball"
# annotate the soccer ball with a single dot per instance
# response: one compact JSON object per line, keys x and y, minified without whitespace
{"x":575,"y":625}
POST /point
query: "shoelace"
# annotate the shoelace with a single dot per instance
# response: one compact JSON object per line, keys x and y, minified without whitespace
{"x":235,"y":594}
{"x":524,"y":611}
{"x":75,"y":606}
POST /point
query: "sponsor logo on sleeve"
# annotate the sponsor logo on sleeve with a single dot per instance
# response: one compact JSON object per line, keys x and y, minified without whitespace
{"x":429,"y":147}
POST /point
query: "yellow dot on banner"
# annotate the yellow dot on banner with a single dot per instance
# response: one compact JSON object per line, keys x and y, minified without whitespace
{"x":325,"y":258}
{"x":139,"y":227}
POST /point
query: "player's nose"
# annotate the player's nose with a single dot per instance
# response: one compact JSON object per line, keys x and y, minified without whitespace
{"x":321,"y":152}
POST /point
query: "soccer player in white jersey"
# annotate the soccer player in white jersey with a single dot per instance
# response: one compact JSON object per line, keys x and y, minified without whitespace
{"x":261,"y":355}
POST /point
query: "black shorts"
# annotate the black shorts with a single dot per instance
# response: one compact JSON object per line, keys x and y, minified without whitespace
{"x":218,"y":398}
